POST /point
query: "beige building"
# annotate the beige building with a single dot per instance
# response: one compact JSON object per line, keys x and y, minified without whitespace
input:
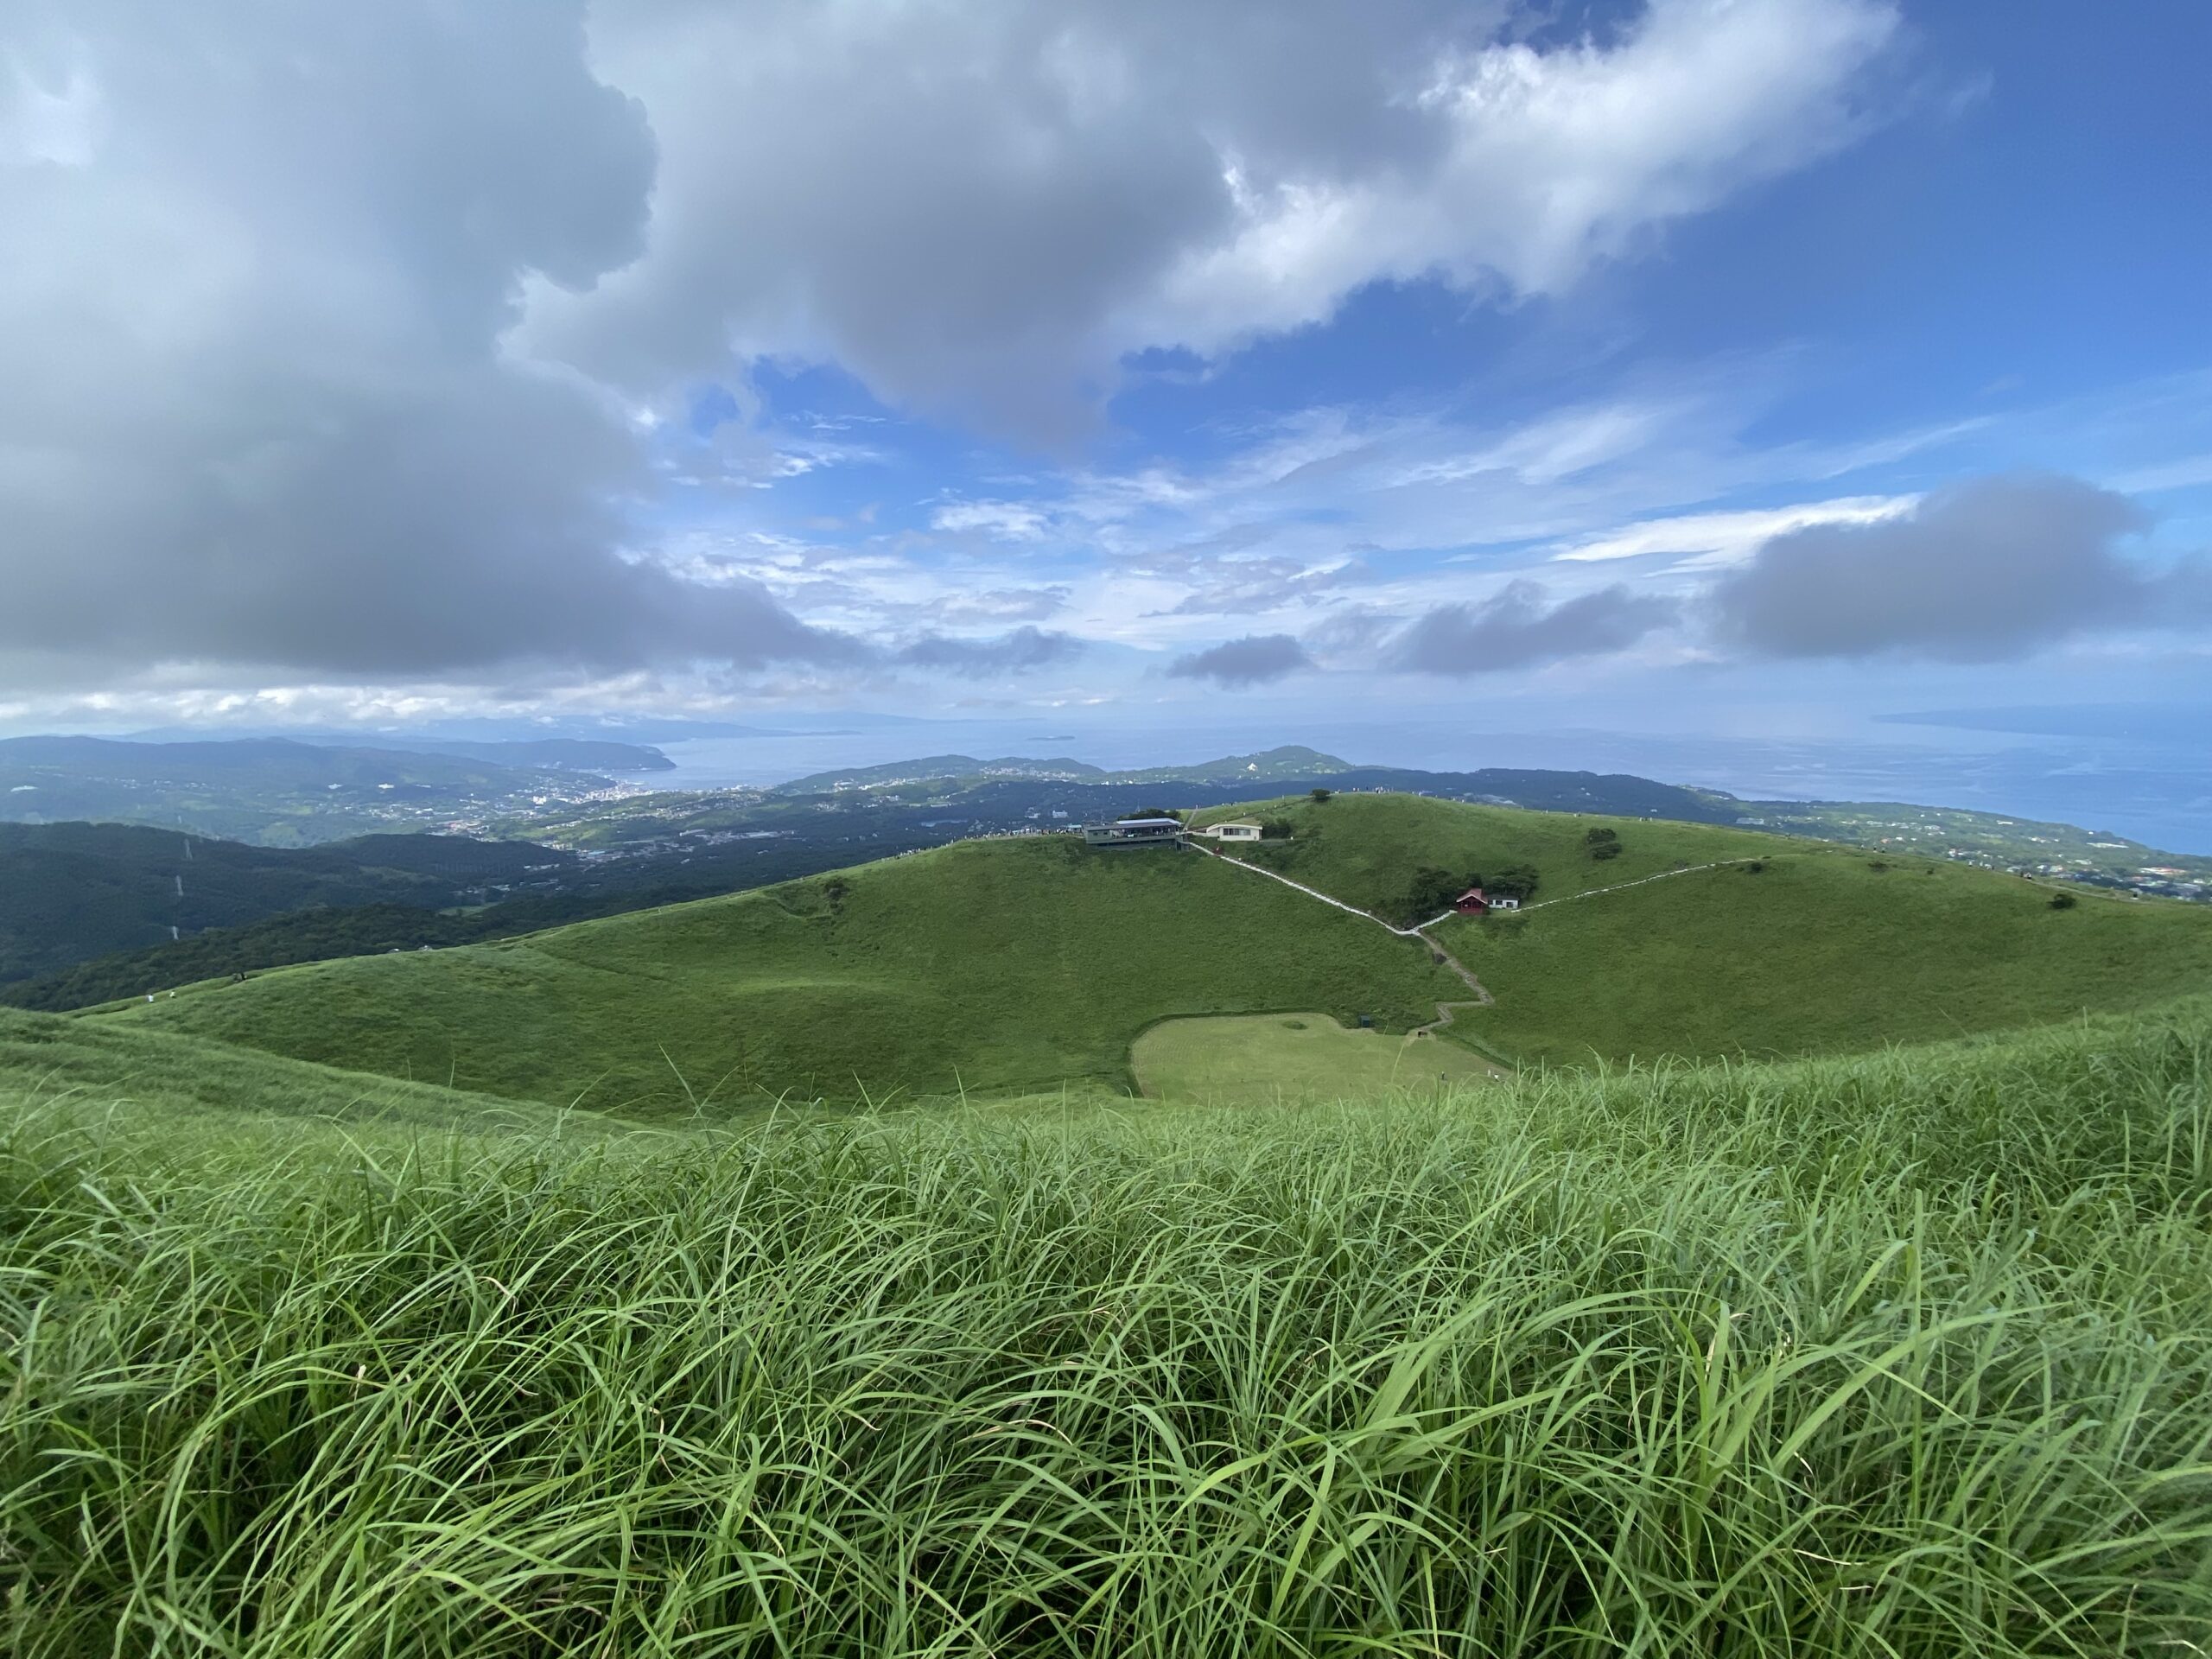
{"x":1232,"y":831}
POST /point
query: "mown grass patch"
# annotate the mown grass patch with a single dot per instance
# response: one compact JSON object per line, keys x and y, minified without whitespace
{"x":1291,"y":1057}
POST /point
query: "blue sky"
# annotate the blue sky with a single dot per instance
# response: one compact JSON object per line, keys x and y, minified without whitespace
{"x":1719,"y":367}
{"x":2001,"y":275}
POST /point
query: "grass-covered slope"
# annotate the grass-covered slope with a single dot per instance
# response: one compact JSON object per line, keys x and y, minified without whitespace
{"x":1019,"y":964}
{"x":989,"y":965}
{"x":1905,"y":1356}
{"x":1367,"y":849}
{"x":1824,"y":949}
{"x":49,"y":1063}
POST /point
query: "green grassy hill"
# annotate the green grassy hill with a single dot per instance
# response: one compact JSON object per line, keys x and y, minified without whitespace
{"x":1822,"y":950}
{"x":1012,"y":965}
{"x":1365,"y":848}
{"x":1826,"y":950}
{"x":993,"y":965}
{"x":1902,"y":1355}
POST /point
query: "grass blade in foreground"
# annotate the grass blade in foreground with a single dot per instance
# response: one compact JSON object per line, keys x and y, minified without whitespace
{"x":1905,"y":1356}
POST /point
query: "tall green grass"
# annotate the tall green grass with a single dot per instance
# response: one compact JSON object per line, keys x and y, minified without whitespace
{"x":1910,"y":1356}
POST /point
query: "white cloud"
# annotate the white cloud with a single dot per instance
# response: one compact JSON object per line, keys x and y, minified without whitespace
{"x":1730,"y":538}
{"x":1005,"y":521}
{"x":2184,"y":474}
{"x":1544,"y":162}
{"x":253,"y":404}
{"x":55,"y":118}
{"x":1558,"y":446}
{"x":980,"y":210}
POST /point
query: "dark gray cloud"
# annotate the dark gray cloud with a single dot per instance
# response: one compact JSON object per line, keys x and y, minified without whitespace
{"x":1023,"y":650}
{"x":1982,"y":571}
{"x":1516,"y":628}
{"x":1254,"y":660}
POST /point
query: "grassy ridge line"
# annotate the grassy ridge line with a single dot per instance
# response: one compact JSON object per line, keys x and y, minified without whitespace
{"x":1014,"y":965}
{"x":1903,"y":1356}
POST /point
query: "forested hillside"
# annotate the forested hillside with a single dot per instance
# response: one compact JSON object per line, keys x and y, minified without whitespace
{"x":71,"y":892}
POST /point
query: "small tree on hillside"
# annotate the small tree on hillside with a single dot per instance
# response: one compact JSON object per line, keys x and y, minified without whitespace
{"x":1318,"y":796}
{"x":1277,"y":829}
{"x":1514,"y":881}
{"x":1603,"y":843}
{"x":1432,"y":890}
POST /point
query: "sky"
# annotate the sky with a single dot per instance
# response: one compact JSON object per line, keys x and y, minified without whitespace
{"x":1750,"y":368}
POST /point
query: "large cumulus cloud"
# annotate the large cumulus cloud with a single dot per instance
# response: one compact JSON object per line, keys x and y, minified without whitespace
{"x":329,"y":332}
{"x":981,"y":208}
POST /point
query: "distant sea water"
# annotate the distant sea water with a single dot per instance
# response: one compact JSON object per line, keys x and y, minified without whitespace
{"x":2154,"y":787}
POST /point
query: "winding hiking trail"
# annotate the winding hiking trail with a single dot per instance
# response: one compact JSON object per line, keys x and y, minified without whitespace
{"x":1482,"y":998}
{"x":1622,"y":886}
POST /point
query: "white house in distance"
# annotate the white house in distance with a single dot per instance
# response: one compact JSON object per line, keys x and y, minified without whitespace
{"x":1232,"y":831}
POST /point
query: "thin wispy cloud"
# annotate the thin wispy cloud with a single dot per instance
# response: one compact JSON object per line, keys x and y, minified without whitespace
{"x":1727,"y":537}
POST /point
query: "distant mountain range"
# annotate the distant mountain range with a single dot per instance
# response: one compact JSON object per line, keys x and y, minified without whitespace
{"x":1258,"y":776}
{"x":558,"y":753}
{"x":1288,"y":764}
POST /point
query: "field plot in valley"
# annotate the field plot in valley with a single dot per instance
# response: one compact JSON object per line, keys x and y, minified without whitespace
{"x":1290,"y":1057}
